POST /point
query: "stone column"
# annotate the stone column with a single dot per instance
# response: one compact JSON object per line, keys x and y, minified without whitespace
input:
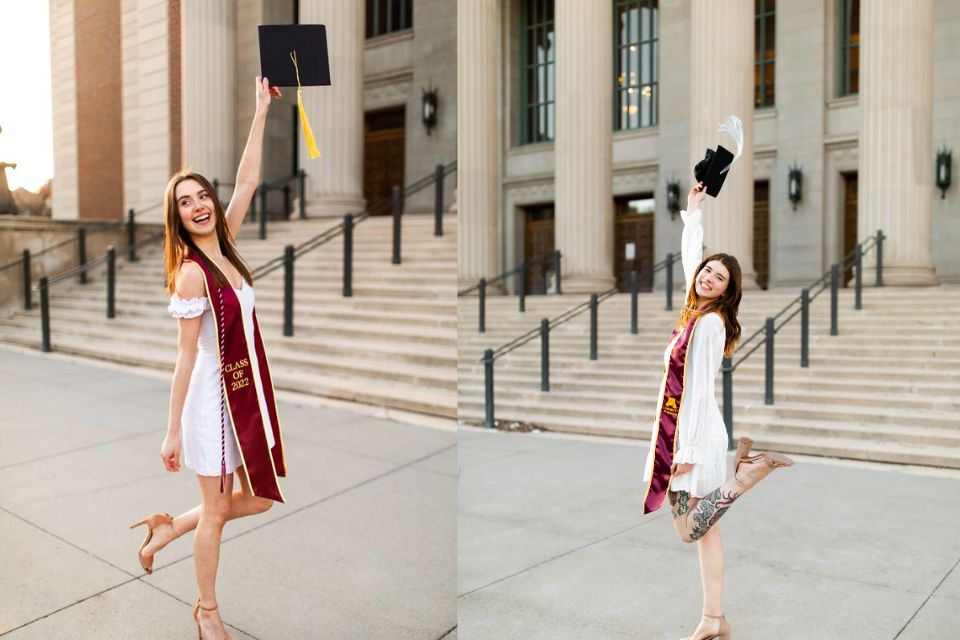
{"x":478,"y":155}
{"x":335,"y":179}
{"x":584,"y":145}
{"x":721,"y":84}
{"x":895,"y":179}
{"x":208,"y":88}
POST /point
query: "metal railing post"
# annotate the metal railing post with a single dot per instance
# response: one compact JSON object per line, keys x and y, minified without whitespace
{"x":286,"y":201}
{"x":522,"y":286}
{"x":44,"y":315}
{"x":111,"y":281}
{"x":669,"y":282}
{"x":728,"y":399}
{"x":483,"y":304}
{"x":438,"y":202}
{"x":768,"y":368}
{"x":593,"y":326}
{"x":288,"y":290}
{"x":858,"y":279}
{"x":131,"y":236}
{"x":488,"y":388}
{"x":545,"y":354}
{"x":834,"y":291}
{"x":557,"y":270}
{"x":633,"y":301}
{"x":216,"y":187}
{"x":805,"y":328}
{"x":397,"y":211}
{"x":253,"y":206}
{"x":880,"y":238}
{"x":348,"y":255}
{"x":82,"y":254}
{"x":264,"y":190}
{"x":302,"y":186}
{"x":27,"y":294}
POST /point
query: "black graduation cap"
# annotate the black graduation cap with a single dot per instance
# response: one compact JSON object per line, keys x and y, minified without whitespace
{"x":713,"y":169}
{"x":308,"y":42}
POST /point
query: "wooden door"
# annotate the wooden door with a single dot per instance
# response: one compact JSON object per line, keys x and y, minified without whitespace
{"x":383,"y":154}
{"x":538,"y":241}
{"x":633,"y":241}
{"x":761,"y":232}
{"x":849,"y":222}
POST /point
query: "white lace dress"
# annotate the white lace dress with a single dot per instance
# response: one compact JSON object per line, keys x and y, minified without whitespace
{"x":200,"y":421}
{"x":701,"y":433}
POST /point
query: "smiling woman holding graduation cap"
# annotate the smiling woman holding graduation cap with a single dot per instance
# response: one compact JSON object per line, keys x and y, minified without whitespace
{"x":223,"y":417}
{"x":688,"y":444}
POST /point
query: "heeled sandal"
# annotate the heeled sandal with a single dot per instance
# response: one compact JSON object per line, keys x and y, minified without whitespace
{"x":152,"y":521}
{"x":767,"y":459}
{"x":196,"y":618}
{"x":723,"y":632}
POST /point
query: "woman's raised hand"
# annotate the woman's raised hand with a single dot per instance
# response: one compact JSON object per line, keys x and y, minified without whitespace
{"x":696,"y":197}
{"x":264,"y":93}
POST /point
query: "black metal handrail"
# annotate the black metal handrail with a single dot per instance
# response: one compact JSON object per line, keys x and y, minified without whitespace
{"x":523,"y":266}
{"x":769,"y":330}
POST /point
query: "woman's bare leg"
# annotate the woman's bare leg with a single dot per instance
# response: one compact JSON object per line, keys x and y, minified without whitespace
{"x":710,"y":548}
{"x":242,"y":503}
{"x":693,"y":517}
{"x":215,"y":507}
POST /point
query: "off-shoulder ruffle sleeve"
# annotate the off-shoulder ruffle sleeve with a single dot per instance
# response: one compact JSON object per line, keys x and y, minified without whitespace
{"x":187,"y":308}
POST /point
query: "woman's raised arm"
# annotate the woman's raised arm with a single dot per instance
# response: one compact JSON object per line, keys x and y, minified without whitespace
{"x":691,"y":243}
{"x":248,"y":174}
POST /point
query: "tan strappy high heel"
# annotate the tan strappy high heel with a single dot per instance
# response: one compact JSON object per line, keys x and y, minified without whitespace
{"x":761,"y":464}
{"x":722,"y":632}
{"x":152,"y":521}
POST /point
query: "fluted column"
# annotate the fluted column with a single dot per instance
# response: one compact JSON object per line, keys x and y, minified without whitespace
{"x":895,"y":179}
{"x":721,"y":84}
{"x":583,"y":224}
{"x":209,"y":75}
{"x":335,"y":179}
{"x":478,"y":159}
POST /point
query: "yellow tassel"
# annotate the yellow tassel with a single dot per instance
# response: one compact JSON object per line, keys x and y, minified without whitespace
{"x":304,"y":122}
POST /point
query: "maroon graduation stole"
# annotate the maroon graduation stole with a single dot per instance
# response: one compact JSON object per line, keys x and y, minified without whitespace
{"x":238,"y":388}
{"x":668,"y":412}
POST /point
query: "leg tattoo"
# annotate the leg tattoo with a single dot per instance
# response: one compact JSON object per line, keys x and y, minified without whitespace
{"x":709,"y":510}
{"x":679,"y":501}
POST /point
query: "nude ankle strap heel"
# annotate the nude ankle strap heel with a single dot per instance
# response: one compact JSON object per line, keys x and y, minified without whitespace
{"x":722,"y":633}
{"x":196,"y":615}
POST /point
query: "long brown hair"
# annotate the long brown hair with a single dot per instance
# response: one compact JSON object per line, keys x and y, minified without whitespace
{"x":177,"y":238}
{"x":727,"y":304}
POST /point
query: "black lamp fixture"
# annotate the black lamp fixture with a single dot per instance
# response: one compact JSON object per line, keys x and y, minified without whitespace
{"x":795,"y":185}
{"x":944,"y":160}
{"x":673,"y":197}
{"x":430,"y":108}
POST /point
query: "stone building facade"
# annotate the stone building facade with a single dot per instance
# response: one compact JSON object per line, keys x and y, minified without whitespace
{"x":143,"y":88}
{"x":575,"y":117}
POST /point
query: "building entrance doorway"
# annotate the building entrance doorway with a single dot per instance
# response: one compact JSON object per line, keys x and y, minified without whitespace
{"x":849,"y":222}
{"x":538,"y":241}
{"x":761,"y":232}
{"x":383,"y":154}
{"x":633,"y":241}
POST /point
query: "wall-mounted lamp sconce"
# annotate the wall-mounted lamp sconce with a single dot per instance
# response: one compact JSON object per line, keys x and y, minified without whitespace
{"x":795,"y":185}
{"x":673,"y":198}
{"x":944,"y":160}
{"x":429,"y":108}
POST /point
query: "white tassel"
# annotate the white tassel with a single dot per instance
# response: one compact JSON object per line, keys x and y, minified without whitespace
{"x":733,"y":126}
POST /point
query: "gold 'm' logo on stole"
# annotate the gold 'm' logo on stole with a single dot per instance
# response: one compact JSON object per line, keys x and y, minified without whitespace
{"x":671,"y":406}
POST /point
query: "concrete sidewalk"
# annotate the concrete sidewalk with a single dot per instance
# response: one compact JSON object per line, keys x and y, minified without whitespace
{"x":552,"y":545}
{"x":363,"y":548}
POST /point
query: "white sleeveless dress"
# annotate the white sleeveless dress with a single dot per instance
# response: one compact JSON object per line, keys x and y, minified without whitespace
{"x":200,"y":421}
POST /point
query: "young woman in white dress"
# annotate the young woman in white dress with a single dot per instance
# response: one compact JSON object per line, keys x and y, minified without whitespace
{"x":194,"y":428}
{"x":697,"y":492}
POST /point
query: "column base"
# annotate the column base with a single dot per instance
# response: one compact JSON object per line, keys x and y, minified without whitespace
{"x":895,"y":276}
{"x":332,"y":207}
{"x":586,"y":284}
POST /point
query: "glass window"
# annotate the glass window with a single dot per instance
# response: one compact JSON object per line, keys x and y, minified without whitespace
{"x":765,"y":44}
{"x":387,"y":16}
{"x":636,"y":33}
{"x":849,"y":48}
{"x":537,"y":79}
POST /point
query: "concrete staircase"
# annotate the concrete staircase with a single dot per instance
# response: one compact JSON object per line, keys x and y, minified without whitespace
{"x":393,"y":344}
{"x":886,"y":389}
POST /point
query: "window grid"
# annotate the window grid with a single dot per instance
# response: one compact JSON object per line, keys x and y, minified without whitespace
{"x":849,"y":49}
{"x":387,"y":16}
{"x":636,"y":48}
{"x":764,"y":70}
{"x":537,"y":81}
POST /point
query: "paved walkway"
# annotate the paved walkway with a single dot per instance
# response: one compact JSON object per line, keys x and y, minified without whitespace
{"x":364,"y":547}
{"x":552,"y":545}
